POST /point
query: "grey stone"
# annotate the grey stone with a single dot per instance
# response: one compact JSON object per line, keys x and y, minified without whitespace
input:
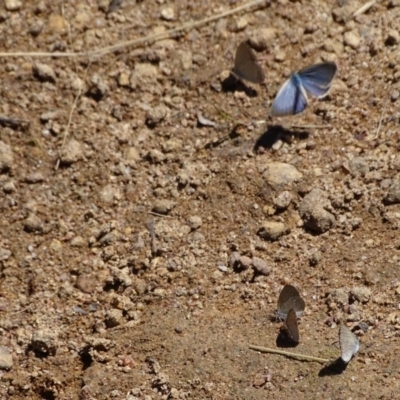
{"x":6,"y":360}
{"x":6,"y":157}
{"x":5,"y":254}
{"x":262,"y":38}
{"x":261,"y":266}
{"x":44,"y":72}
{"x":279,"y":174}
{"x":33,"y":224}
{"x":361,"y":294}
{"x":45,"y":341}
{"x":72,"y":152}
{"x":352,"y":39}
{"x":283,"y":200}
{"x":272,"y":230}
{"x":359,"y":166}
{"x":313,"y":211}
{"x":163,"y":206}
{"x":195,"y":222}
{"x":393,"y":195}
{"x":114,"y":318}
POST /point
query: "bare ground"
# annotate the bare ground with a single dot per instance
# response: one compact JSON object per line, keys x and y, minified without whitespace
{"x":93,"y":307}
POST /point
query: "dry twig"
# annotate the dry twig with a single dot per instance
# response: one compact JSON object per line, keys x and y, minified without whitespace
{"x":136,"y":42}
{"x":364,"y":8}
{"x":289,"y":354}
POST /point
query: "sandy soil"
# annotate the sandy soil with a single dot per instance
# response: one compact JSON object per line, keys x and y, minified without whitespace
{"x":148,"y":262}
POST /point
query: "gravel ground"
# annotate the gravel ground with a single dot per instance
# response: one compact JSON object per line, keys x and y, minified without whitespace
{"x":145,"y":265}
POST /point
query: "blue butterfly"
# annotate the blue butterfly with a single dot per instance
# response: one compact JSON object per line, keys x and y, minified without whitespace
{"x":292,"y":96}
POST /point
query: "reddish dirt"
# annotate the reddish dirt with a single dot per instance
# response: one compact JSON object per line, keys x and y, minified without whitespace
{"x":92,"y":306}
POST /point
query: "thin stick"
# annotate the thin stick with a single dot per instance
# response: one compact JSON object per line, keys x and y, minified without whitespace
{"x":167,"y":34}
{"x":364,"y":8}
{"x":158,"y":214}
{"x":56,"y":54}
{"x":310,"y":126}
{"x":78,"y":95}
{"x":136,"y":42}
{"x":289,"y":354}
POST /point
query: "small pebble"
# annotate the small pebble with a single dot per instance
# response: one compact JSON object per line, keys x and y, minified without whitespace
{"x":44,"y":72}
{"x":33,"y":224}
{"x":262,"y":38}
{"x":234,"y":259}
{"x":244,"y":262}
{"x":314,"y":211}
{"x":57,"y":24}
{"x":393,"y":38}
{"x":156,"y":115}
{"x":272,"y":230}
{"x":315,"y":258}
{"x":6,"y":360}
{"x":72,"y":152}
{"x":9,"y":187}
{"x":393,"y":195}
{"x":239,"y":24}
{"x":6,"y":157}
{"x":352,"y":39}
{"x":361,"y":293}
{"x":168,"y":14}
{"x":394,"y":95}
{"x":280,"y":55}
{"x":283,"y":200}
{"x":163,"y":206}
{"x":114,"y":318}
{"x":261,"y":266}
{"x":278,"y":174}
{"x":34,"y":177}
{"x":44,"y":341}
{"x":13,"y":5}
{"x":86,"y":283}
{"x":194,"y":222}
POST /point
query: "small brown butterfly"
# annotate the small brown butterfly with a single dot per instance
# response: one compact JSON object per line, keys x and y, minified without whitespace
{"x":292,"y":326}
{"x":246,"y":65}
{"x":288,"y":299}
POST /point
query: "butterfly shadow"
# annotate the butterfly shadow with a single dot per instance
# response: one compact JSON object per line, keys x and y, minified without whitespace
{"x":278,"y":132}
{"x":336,"y":367}
{"x":283,"y":340}
{"x":234,"y":84}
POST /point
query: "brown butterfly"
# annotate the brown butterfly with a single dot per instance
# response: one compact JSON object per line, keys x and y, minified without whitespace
{"x":246,"y":65}
{"x":288,"y":299}
{"x":292,"y":326}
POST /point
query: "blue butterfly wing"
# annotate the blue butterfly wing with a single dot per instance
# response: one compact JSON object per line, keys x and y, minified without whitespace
{"x":291,"y":98}
{"x":317,"y":79}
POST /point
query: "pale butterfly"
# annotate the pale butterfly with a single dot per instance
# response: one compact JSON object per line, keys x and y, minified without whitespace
{"x":348,"y":342}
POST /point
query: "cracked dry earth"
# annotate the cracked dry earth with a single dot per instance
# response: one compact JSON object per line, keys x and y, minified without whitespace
{"x":148,"y":262}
